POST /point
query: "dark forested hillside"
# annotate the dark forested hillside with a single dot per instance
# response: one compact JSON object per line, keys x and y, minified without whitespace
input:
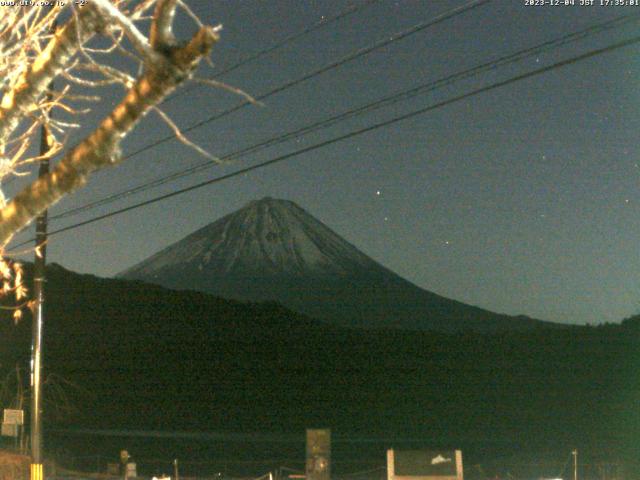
{"x":159,"y":359}
{"x":274,"y":250}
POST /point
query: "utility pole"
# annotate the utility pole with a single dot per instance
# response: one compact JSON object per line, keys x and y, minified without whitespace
{"x":124,"y":461}
{"x":318,"y":464}
{"x":575,"y":464}
{"x":39,"y":280}
{"x":36,"y":329}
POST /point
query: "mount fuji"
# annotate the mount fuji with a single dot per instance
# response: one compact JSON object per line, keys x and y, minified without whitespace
{"x":273,"y":250}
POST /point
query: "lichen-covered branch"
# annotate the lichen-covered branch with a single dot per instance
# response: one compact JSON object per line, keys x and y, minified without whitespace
{"x":171,"y":66}
{"x":139,"y":41}
{"x":33,"y":83}
{"x":161,"y":35}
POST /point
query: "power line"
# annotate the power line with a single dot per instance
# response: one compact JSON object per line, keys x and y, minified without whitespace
{"x":348,"y":58}
{"x":354,"y":133}
{"x":354,"y":55}
{"x":383,"y":102}
{"x":291,"y":38}
{"x":249,"y":58}
{"x":295,"y":36}
{"x":285,"y":41}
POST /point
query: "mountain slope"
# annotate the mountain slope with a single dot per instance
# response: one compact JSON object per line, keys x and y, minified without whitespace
{"x":148,"y":358}
{"x":274,"y":250}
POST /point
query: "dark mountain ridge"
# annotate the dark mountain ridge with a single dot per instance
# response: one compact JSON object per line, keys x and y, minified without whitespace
{"x":274,"y":250}
{"x":158,"y":359}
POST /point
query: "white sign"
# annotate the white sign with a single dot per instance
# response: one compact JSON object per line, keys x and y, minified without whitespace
{"x":15,"y":417}
{"x":424,"y":465}
{"x":131,"y":470}
{"x":9,"y":430}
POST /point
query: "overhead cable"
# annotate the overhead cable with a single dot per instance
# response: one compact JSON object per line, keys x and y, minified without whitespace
{"x":380,"y":103}
{"x":354,"y":133}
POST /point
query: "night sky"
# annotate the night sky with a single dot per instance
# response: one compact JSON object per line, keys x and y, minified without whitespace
{"x":522,"y":200}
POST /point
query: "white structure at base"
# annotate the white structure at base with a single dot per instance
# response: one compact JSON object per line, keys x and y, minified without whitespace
{"x":424,"y":465}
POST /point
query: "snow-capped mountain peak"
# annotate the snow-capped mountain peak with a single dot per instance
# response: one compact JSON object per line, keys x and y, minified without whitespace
{"x":274,"y":250}
{"x":266,"y":236}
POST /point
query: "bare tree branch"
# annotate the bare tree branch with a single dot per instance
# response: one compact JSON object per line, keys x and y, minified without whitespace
{"x":180,"y":136}
{"x":102,"y":147}
{"x":161,"y":32}
{"x":138,"y":40}
{"x":50,"y":63}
